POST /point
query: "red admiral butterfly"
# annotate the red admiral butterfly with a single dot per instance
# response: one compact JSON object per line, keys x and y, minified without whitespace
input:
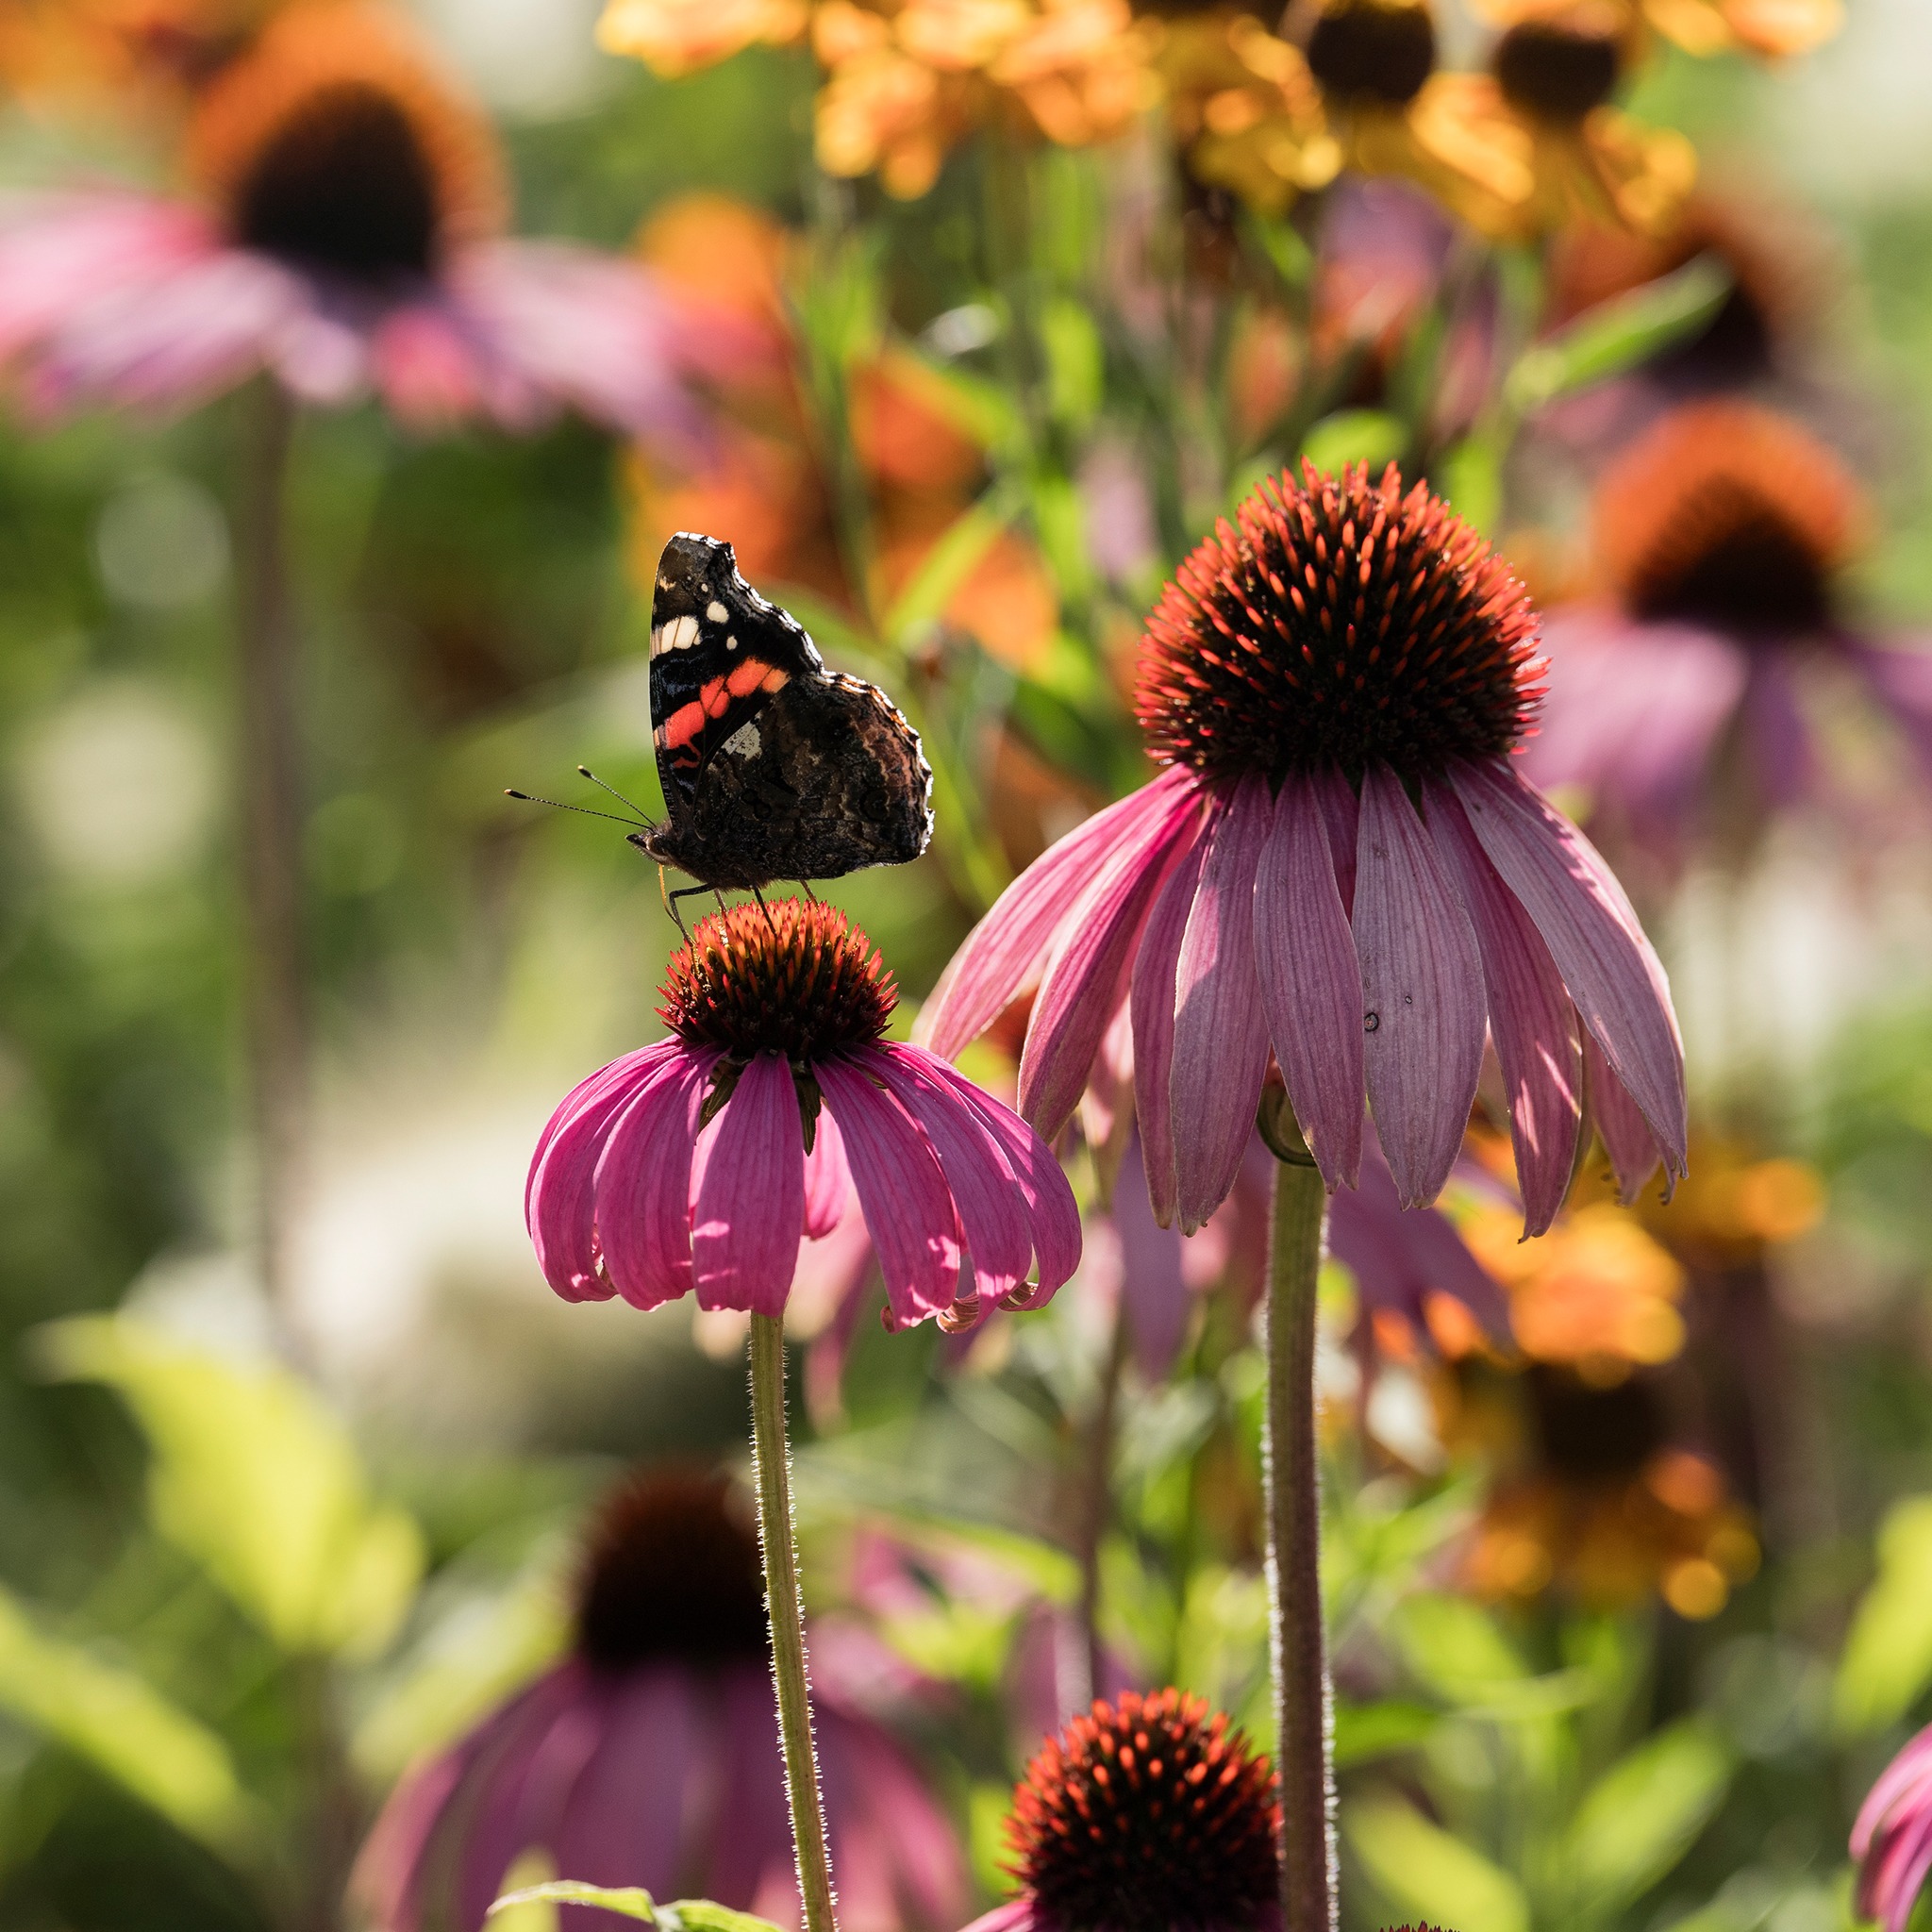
{"x":773,"y":767}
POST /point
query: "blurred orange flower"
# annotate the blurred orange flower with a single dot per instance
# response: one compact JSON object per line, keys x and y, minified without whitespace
{"x":129,"y":54}
{"x":674,"y":38}
{"x":1771,"y":29}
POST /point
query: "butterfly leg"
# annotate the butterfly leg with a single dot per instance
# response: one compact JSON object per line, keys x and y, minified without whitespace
{"x":804,"y":887}
{"x":766,"y":910}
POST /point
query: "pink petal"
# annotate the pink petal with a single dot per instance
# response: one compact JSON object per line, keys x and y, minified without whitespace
{"x":426,"y":369}
{"x":1154,"y":1292}
{"x":908,"y":1205}
{"x":1311,"y":986}
{"x":623,"y":1072}
{"x":1614,"y":978}
{"x":1050,"y":1205}
{"x":1909,"y":1772}
{"x":1220,"y":1031}
{"x":747,"y":1193}
{"x":1151,"y":1007}
{"x":643,"y":1196}
{"x":1006,"y":952}
{"x":1531,"y":1019}
{"x":1421,"y":992}
{"x":827,"y":1182}
{"x":1626,"y":1135}
{"x":995,"y":1230}
{"x":1342,"y":812}
{"x":1900,"y":678}
{"x":1092,"y":953}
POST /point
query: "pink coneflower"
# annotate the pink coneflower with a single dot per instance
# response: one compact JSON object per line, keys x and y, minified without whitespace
{"x":343,"y":234}
{"x":1144,"y":1815}
{"x":649,"y":1755}
{"x":1722,"y":538}
{"x":698,"y":1163}
{"x":1342,"y":862}
{"x":1891,"y":1839}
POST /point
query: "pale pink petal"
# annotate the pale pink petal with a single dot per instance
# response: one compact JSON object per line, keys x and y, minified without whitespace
{"x":1106,"y":1110}
{"x":1908,"y":1773}
{"x":1531,"y":1019}
{"x":426,"y":369}
{"x":747,"y":1193}
{"x":1900,"y":675}
{"x":1626,"y":1135}
{"x":1220,"y":1031}
{"x":1421,"y":992}
{"x":1093,"y":955}
{"x":827,"y":1184}
{"x":1154,"y":1292}
{"x":1614,"y":979}
{"x":627,"y":1070}
{"x":1005,"y":954}
{"x":1151,"y":1007}
{"x":1311,"y":985}
{"x":1050,"y":1205}
{"x":908,"y":1205}
{"x":991,"y":1218}
{"x":643,"y":1185}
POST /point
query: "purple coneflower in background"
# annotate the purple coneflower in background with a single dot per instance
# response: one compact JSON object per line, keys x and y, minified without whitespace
{"x":1721,"y":538}
{"x":343,"y":235}
{"x":1144,"y":1815}
{"x":697,"y":1164}
{"x":1342,"y":862}
{"x":1893,"y":1837}
{"x":649,"y":1755}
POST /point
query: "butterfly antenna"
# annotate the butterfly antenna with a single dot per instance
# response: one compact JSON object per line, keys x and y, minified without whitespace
{"x":643,"y":817}
{"x":557,"y":805}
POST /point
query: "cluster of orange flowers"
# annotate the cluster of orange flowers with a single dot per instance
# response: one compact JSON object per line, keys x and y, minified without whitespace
{"x":1266,"y":111}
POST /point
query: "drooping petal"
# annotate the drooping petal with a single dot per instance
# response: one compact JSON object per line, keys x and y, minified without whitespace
{"x":1220,"y":1031}
{"x":1615,"y":980}
{"x":1626,"y":1135}
{"x":747,"y":1193}
{"x":642,"y":1184}
{"x":908,"y":1205}
{"x":1908,"y":1775}
{"x":1421,"y":992}
{"x":988,"y":1203}
{"x":1050,"y":1203}
{"x":426,"y":369}
{"x":1092,"y":955}
{"x":1007,"y":951}
{"x":1311,"y":985}
{"x":1531,"y":1019}
{"x":1900,"y":676}
{"x":1151,"y":1008}
{"x":828,"y":1181}
{"x":1342,"y":810}
{"x":628,"y":1071}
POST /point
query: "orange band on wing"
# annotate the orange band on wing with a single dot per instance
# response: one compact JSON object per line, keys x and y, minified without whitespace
{"x":714,"y":699}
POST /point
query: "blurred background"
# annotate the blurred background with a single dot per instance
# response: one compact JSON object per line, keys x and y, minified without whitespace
{"x":1631,"y":1601}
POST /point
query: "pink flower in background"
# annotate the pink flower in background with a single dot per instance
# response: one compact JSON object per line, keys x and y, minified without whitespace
{"x":697,"y":1165}
{"x":1891,"y":1839}
{"x":1722,"y":537}
{"x":1341,"y":864}
{"x":344,"y":237}
{"x":649,"y":1755}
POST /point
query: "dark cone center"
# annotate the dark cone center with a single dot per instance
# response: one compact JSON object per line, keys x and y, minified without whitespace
{"x":671,"y":1573}
{"x":1758,"y":575}
{"x":1361,"y":50}
{"x":344,"y":186}
{"x":1595,"y":1435}
{"x":1556,"y":72}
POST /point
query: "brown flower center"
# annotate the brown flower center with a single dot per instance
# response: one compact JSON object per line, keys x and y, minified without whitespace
{"x":1144,"y":1816}
{"x":1727,"y":515}
{"x":333,"y":144}
{"x":1591,"y":1435}
{"x":1560,"y":67}
{"x":1373,"y":51}
{"x":789,"y":977}
{"x":1342,"y":622}
{"x":672,"y":1571}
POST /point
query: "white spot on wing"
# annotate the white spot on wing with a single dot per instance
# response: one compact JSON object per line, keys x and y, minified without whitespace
{"x":681,"y":634}
{"x":743,"y":742}
{"x":731,"y":644}
{"x":717,"y":613}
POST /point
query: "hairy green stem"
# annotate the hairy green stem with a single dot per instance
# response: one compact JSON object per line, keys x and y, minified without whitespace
{"x":778,"y":1539}
{"x":1298,"y":1648}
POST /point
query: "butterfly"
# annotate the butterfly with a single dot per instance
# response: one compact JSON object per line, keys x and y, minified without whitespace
{"x":773,"y":767}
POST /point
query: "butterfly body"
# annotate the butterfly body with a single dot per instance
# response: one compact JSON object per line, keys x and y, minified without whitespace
{"x":771,"y":766}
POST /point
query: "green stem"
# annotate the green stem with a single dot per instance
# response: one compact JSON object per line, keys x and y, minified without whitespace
{"x":778,"y":1541}
{"x":1096,"y":1504}
{"x":1298,"y":1649}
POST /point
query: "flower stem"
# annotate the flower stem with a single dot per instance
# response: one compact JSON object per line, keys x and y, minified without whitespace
{"x":1298,"y":1648}
{"x":1095,"y":1506}
{"x":269,"y":804}
{"x":778,"y":1539}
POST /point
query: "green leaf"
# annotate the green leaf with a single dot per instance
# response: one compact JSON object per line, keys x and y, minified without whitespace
{"x":1366,"y":1731}
{"x":1469,"y":475}
{"x":1453,"y":1647}
{"x":1355,"y":436}
{"x":631,"y":1902}
{"x":1618,"y":334}
{"x":1076,"y":362}
{"x":122,"y":1726}
{"x":702,"y":1915}
{"x":1426,"y":1875}
{"x":1888,"y":1656}
{"x":256,"y":1482}
{"x":1636,"y":1821}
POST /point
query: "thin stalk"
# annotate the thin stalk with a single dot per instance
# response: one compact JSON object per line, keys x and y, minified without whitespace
{"x":269,"y":804}
{"x":1298,"y":1647}
{"x":1096,"y":1506}
{"x":777,"y":1539}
